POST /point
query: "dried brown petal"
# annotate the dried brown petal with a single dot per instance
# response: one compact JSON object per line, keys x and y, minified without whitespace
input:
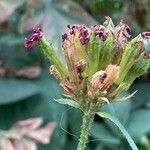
{"x":53,"y":70}
{"x":98,"y":79}
{"x":71,"y":58}
{"x":80,"y":65}
{"x":102,"y":80}
{"x":73,"y":70}
{"x":68,"y":88}
{"x":112,"y":74}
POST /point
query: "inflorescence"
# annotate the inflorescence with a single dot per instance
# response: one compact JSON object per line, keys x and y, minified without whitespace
{"x":101,"y":61}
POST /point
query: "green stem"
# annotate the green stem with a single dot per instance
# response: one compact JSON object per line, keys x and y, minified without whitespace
{"x":86,"y":125}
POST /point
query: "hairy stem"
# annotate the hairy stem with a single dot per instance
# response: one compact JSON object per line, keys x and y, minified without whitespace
{"x":86,"y":125}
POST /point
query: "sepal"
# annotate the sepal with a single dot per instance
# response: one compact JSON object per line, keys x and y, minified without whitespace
{"x":69,"y":102}
{"x":50,"y":53}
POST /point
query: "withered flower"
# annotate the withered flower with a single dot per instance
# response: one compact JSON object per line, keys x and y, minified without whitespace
{"x":100,"y":32}
{"x":102,"y":80}
{"x":99,"y":60}
{"x":121,"y":34}
{"x":100,"y":63}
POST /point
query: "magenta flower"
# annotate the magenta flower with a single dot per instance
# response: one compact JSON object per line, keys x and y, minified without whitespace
{"x":83,"y":32}
{"x":99,"y":32}
{"x":146,"y":34}
{"x":37,"y":36}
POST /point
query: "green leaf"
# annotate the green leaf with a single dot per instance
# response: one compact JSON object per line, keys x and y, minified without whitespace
{"x":139,"y":123}
{"x":69,"y":102}
{"x":107,"y":146}
{"x":120,"y":126}
{"x":103,"y":134}
{"x":12,"y":90}
{"x":142,"y":96}
{"x":39,"y":105}
{"x":130,"y":55}
{"x":139,"y":68}
{"x":118,"y":109}
{"x":75,"y":122}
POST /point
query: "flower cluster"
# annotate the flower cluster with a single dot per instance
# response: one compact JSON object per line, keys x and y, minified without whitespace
{"x":37,"y":36}
{"x":82,"y":31}
{"x":100,"y":32}
{"x":101,"y":61}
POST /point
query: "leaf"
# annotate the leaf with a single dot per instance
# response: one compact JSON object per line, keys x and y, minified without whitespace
{"x":120,"y":126}
{"x":12,"y":90}
{"x":118,"y":109}
{"x":69,"y":102}
{"x":139,"y":123}
{"x":142,"y":96}
{"x":75,"y":122}
{"x":103,"y":146}
{"x":103,"y":134}
{"x":40,"y":105}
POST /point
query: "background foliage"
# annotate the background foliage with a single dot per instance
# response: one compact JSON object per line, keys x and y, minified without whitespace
{"x":27,"y":90}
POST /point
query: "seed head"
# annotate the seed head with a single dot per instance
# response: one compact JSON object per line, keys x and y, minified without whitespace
{"x":102,"y":80}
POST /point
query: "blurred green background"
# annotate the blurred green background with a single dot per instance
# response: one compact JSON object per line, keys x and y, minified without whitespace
{"x":27,"y":89}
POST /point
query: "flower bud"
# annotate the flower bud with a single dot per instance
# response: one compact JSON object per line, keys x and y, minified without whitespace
{"x":102,"y":80}
{"x":121,"y":34}
{"x":53,"y":70}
